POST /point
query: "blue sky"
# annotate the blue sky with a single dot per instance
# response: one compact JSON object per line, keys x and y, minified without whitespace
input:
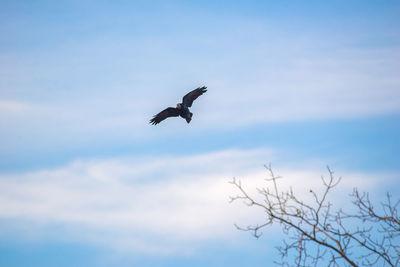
{"x":86,"y":181}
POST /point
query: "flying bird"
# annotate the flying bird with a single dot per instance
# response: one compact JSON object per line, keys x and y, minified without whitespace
{"x":182,"y":109}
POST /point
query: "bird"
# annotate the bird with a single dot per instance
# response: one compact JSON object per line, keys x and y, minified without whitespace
{"x":182,"y":109}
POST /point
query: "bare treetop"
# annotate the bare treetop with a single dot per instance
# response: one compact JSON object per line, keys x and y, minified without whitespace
{"x":317,"y":234}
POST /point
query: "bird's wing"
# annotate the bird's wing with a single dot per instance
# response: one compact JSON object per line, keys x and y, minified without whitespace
{"x":168,"y":112}
{"x":190,"y":97}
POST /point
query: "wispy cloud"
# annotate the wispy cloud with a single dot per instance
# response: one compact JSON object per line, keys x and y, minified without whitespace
{"x":264,"y":79}
{"x":11,"y":108}
{"x":154,"y":205}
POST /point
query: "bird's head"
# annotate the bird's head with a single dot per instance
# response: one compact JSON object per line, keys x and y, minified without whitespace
{"x":178,"y":106}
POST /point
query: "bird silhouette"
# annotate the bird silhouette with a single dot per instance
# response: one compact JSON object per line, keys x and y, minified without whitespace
{"x":182,"y":109}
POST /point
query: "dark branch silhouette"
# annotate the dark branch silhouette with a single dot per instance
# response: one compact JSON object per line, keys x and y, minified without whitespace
{"x":317,"y":234}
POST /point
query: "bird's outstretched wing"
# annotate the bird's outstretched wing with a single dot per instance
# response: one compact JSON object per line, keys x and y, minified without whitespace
{"x":188,"y":99}
{"x":168,"y":112}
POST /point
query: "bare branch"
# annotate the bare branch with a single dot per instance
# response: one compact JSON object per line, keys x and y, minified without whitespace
{"x":368,"y":237}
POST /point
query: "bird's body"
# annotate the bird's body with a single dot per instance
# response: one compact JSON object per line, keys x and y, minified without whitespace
{"x":184,"y":112}
{"x":182,"y":109}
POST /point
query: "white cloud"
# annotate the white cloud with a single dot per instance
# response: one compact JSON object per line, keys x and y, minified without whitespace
{"x":108,"y":88}
{"x":344,"y":84}
{"x":153,"y":205}
{"x":13,"y":107}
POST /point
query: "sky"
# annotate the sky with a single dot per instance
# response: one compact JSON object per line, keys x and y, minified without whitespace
{"x":85,"y":180}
